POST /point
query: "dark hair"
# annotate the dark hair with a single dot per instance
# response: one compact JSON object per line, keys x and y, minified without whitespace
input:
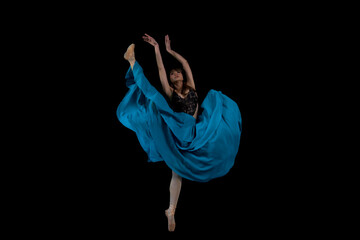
{"x":185,"y":86}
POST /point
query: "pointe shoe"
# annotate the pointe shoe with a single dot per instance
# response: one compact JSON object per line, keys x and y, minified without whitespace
{"x":170,"y":214}
{"x":130,"y":53}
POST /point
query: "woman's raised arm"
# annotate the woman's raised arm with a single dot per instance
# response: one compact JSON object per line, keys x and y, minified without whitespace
{"x":183,"y":61}
{"x":162,"y":73}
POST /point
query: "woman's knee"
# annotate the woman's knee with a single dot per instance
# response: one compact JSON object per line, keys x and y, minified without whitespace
{"x":176,"y":176}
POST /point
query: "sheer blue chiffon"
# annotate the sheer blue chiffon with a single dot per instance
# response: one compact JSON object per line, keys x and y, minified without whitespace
{"x":198,"y":150}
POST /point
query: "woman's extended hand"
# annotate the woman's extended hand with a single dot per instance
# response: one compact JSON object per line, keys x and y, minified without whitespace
{"x":167,"y":43}
{"x":149,"y":39}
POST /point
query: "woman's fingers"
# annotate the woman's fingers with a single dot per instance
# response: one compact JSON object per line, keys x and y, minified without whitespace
{"x":146,"y":39}
{"x":148,"y":36}
{"x":167,"y":43}
{"x":149,"y":39}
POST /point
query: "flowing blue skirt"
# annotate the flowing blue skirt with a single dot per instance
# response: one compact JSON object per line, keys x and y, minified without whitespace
{"x":198,"y":150}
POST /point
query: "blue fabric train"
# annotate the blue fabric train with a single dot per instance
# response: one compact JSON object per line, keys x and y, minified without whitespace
{"x":198,"y":150}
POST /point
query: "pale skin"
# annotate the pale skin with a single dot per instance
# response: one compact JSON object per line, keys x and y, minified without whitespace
{"x":177,"y":79}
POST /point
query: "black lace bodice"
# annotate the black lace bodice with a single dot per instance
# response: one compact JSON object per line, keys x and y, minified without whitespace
{"x":187,"y":105}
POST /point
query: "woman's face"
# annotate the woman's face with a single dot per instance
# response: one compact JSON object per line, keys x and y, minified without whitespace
{"x":176,"y":75}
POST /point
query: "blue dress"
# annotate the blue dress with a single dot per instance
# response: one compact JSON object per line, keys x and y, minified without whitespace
{"x":198,"y":150}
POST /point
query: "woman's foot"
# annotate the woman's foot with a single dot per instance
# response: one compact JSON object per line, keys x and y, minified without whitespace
{"x":170,"y":214}
{"x":130,"y":54}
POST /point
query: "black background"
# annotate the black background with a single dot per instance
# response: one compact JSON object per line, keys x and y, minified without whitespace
{"x":95,"y":178}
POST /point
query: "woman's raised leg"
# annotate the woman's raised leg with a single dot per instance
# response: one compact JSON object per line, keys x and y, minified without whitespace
{"x":175,"y":187}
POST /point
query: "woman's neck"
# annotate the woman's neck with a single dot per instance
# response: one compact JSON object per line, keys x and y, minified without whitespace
{"x":178,"y":86}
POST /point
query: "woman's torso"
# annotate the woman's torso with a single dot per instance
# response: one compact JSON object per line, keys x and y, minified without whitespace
{"x":187,"y":104}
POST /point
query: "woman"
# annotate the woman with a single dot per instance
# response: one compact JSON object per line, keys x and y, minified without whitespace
{"x":199,"y":148}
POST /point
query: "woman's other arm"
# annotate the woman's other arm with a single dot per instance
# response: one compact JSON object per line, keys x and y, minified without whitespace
{"x":183,"y":61}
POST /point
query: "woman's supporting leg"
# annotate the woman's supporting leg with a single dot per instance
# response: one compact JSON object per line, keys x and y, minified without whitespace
{"x":130,"y":55}
{"x":175,"y":187}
